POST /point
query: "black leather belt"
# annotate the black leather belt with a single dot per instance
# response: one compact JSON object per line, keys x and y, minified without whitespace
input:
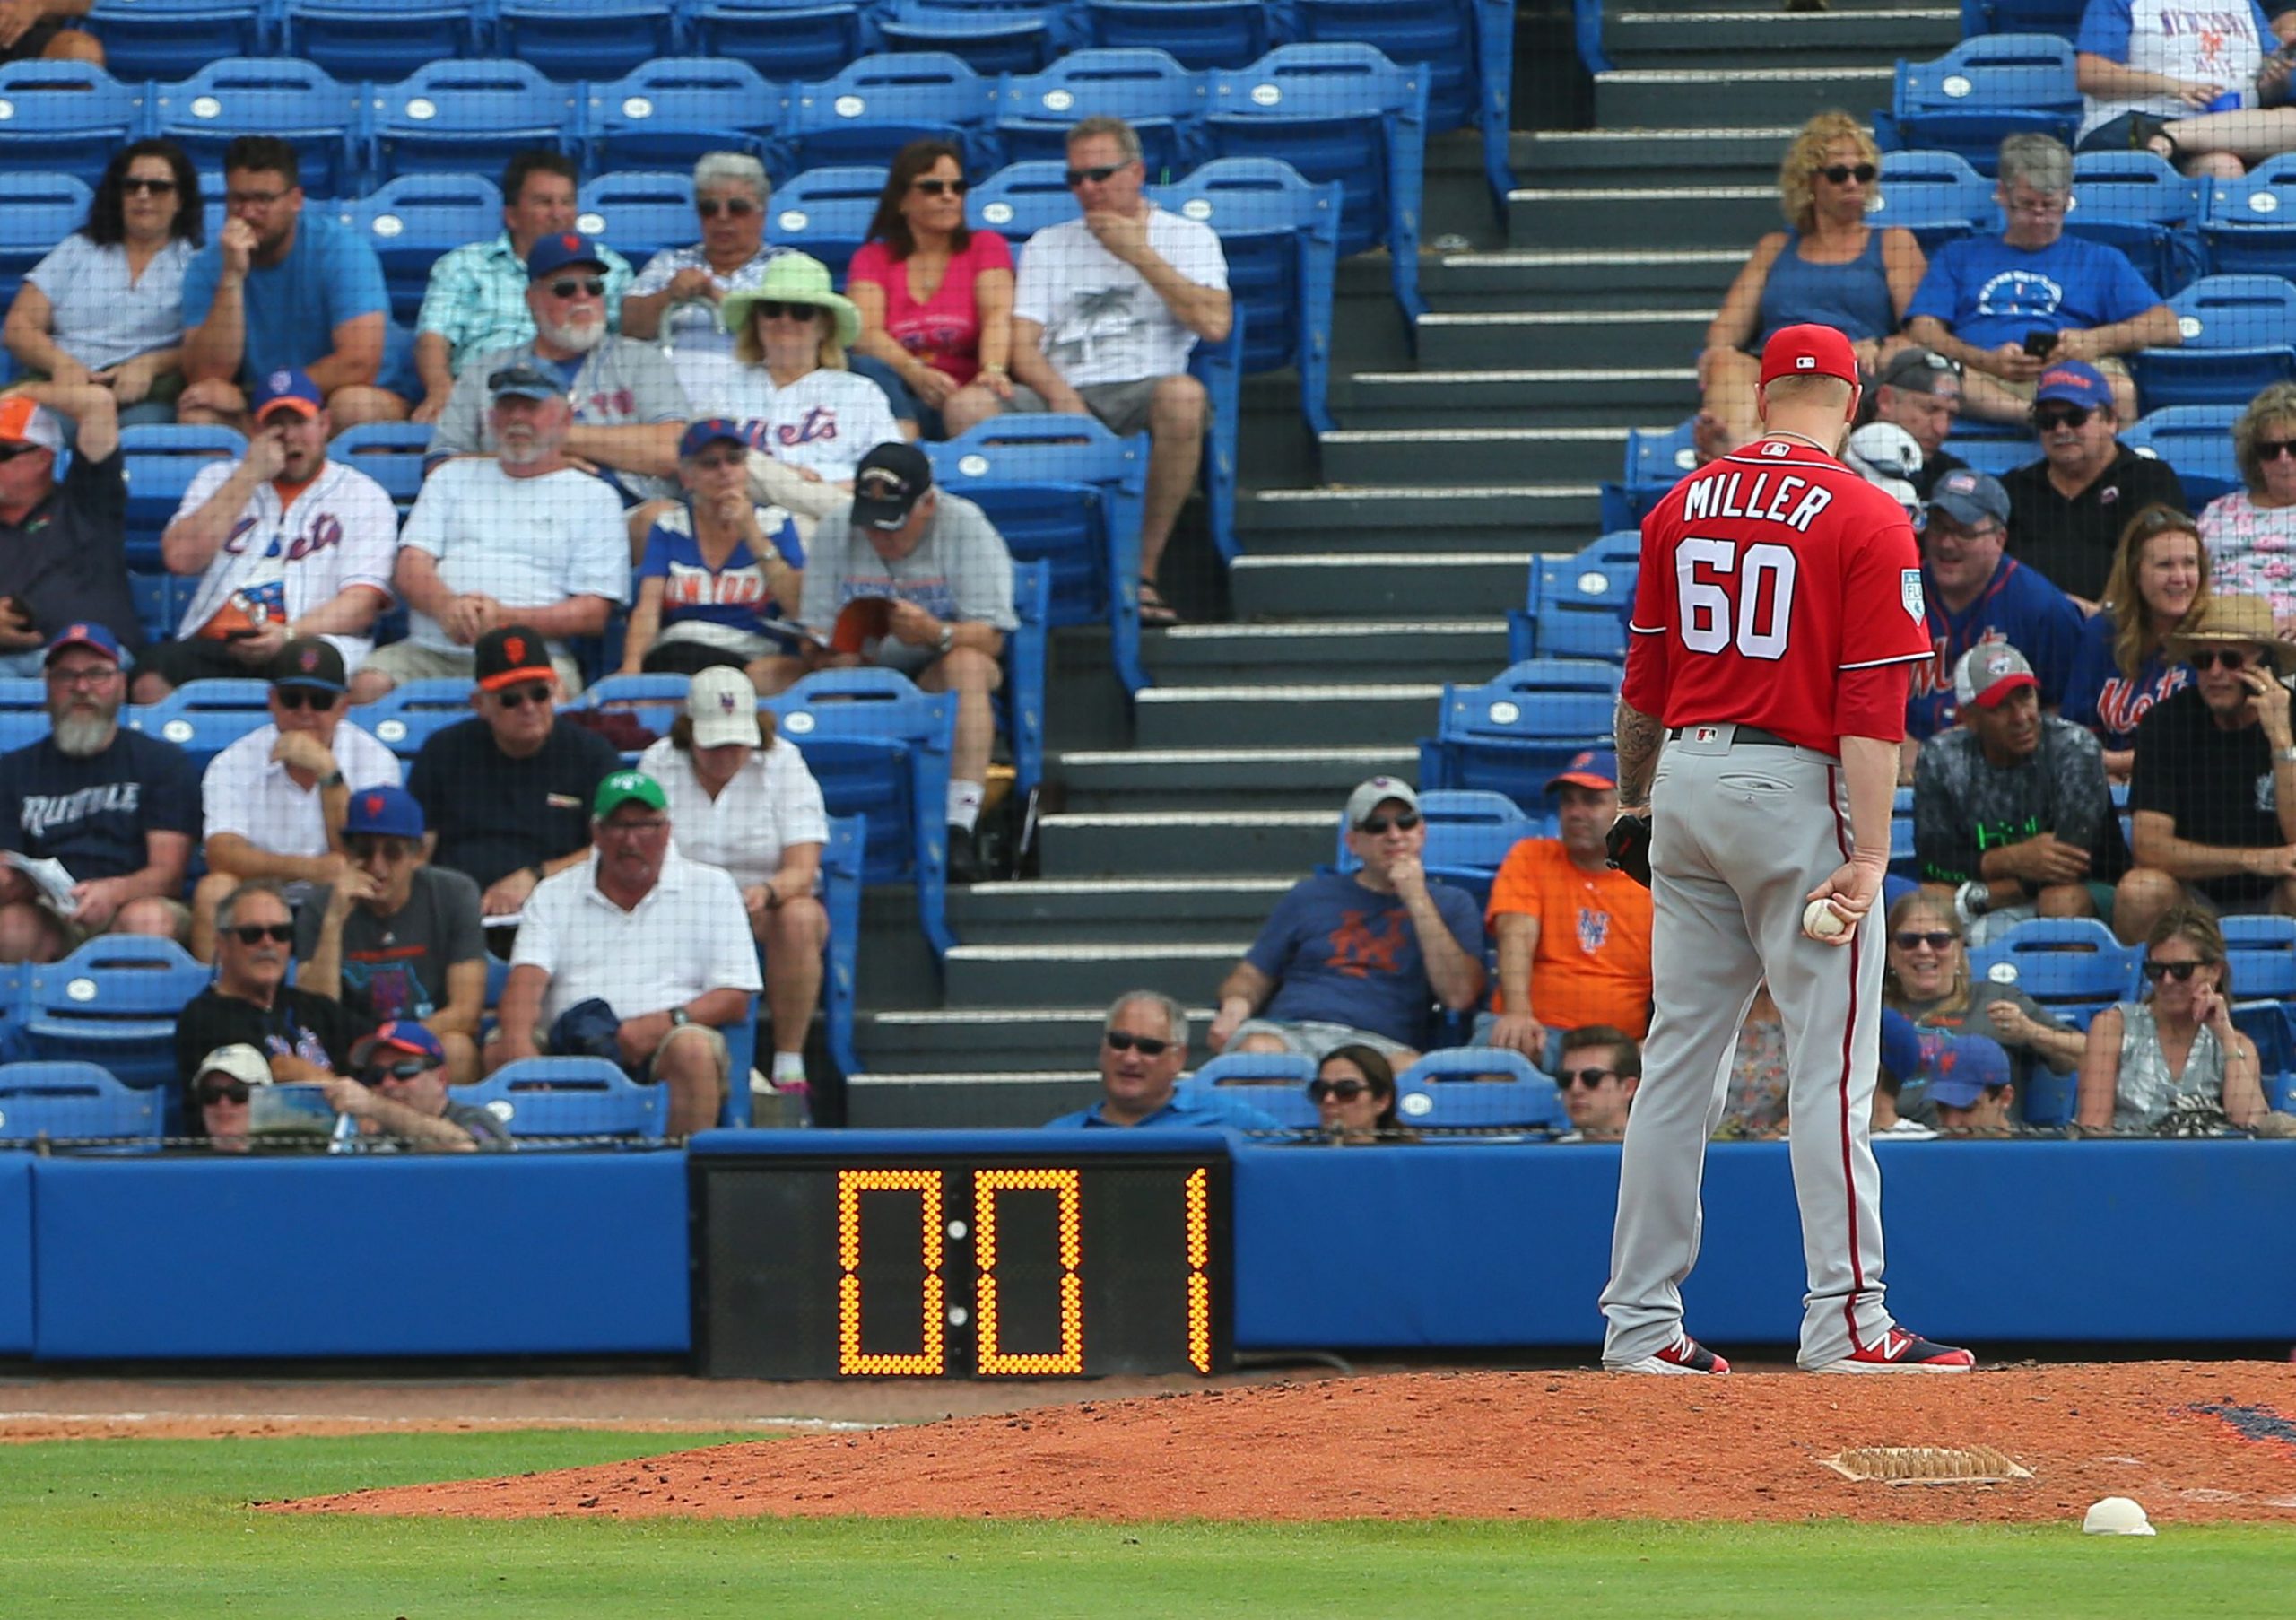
{"x":1752,"y":735}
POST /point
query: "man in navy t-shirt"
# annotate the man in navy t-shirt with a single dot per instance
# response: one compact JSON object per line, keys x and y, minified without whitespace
{"x":2007,"y":305}
{"x":1359,"y":957}
{"x":116,"y":809}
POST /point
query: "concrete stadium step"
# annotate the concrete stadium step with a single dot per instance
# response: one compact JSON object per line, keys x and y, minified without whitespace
{"x":1028,"y":1035}
{"x":1713,"y":39}
{"x":1396,"y":649}
{"x":1570,"y":159}
{"x":1583,"y":278}
{"x":1404,"y":400}
{"x":1447,"y":456}
{"x":1550,"y":339}
{"x":1736,"y":98}
{"x":988,"y":1101}
{"x":1336,"y":519}
{"x":1379,"y":584}
{"x":1088,"y":975}
{"x":1115,"y":782}
{"x":1274,"y":716}
{"x":1142,"y":911}
{"x":1634,"y":216}
{"x":1159,"y":844}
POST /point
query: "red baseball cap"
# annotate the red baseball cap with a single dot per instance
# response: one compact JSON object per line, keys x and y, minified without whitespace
{"x":1808,"y":351}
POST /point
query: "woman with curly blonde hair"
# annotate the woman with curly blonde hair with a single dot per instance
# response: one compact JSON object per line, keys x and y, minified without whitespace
{"x":1829,"y":265}
{"x":2160,"y":580}
{"x":2251,"y":533}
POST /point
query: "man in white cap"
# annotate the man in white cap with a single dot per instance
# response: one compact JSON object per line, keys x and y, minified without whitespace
{"x":1361,"y":957}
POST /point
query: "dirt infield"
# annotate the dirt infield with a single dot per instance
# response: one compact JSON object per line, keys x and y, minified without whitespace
{"x":2192,"y":1441}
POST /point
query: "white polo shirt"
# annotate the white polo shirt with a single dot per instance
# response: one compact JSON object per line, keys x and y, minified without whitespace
{"x":771,"y":802}
{"x":688,"y":936}
{"x":248,"y":792}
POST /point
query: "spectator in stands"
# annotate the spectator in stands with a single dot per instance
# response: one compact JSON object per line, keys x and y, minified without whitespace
{"x":741,"y":797}
{"x":2161,"y":575}
{"x":910,"y":577}
{"x":476,"y":302}
{"x":936,"y":296}
{"x":721,"y":574}
{"x":1828,"y":265}
{"x":1573,"y":933}
{"x":396,"y":937}
{"x":278,"y":291}
{"x":275,"y":800}
{"x":285,"y":543}
{"x":106,"y":305}
{"x":63,"y":546}
{"x":2011,"y":815}
{"x":518,"y":532}
{"x":1925,"y":977}
{"x":677,"y":298}
{"x":637,"y":925}
{"x":221,"y":1091}
{"x":2213,"y":791}
{"x":1975,"y":595}
{"x":503,"y":794}
{"x":300,"y":1035}
{"x":1143,"y":1048}
{"x":2202,"y":87}
{"x":400,"y":1097}
{"x":628,"y":407}
{"x":1754,"y":1101}
{"x":1970,"y":1089}
{"x":1358,"y":958}
{"x":1598,"y":1071}
{"x":2251,"y":532}
{"x":2171,"y":1063}
{"x":2067,"y":510}
{"x":118,"y":809}
{"x":1900,"y":1066}
{"x":41,"y":29}
{"x":1106,"y":311}
{"x":1889,"y":458}
{"x":2010,"y":307}
{"x":1354,"y":1094}
{"x":1920,"y":391}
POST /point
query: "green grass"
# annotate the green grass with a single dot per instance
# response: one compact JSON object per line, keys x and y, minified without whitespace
{"x":116,"y":1529}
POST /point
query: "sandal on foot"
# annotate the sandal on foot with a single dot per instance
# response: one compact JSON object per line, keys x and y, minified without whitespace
{"x":1153,"y":608}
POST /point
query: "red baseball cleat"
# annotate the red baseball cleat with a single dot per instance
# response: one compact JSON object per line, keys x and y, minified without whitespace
{"x":1902,"y":1352}
{"x":1685,"y":1356}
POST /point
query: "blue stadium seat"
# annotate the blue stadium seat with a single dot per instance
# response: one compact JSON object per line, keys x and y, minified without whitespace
{"x":2072,"y":966}
{"x":1934,"y":194}
{"x":412,"y":221}
{"x":408,"y":716}
{"x":1514,"y":732}
{"x":842,"y":870}
{"x":204,"y":718}
{"x":2249,"y":225}
{"x":586,"y":39}
{"x":380,"y":39}
{"x":876,"y":106}
{"x":1986,"y":87}
{"x":1620,"y":545}
{"x":115,"y":1002}
{"x":1274,"y":1084}
{"x":274,"y":95}
{"x":1162,"y":102}
{"x":62,"y":1101}
{"x":1344,"y":113}
{"x":789,"y":38}
{"x":1021,"y":704}
{"x":168,"y":38}
{"x":163,"y":459}
{"x":2197,"y":440}
{"x":540,"y":1097}
{"x":1195,"y":33}
{"x":1655,"y":464}
{"x":2062,"y":17}
{"x":2240,"y":338}
{"x":667,"y":114}
{"x":880,"y":748}
{"x":1439,"y":35}
{"x":159,"y":600}
{"x":22,"y":692}
{"x":37,"y":210}
{"x":1065,"y":491}
{"x":1220,"y":368}
{"x":1993,"y":457}
{"x":990,"y":35}
{"x":389,"y":452}
{"x":452,"y":118}
{"x":1021,"y":199}
{"x":2136,"y":202}
{"x":655,"y":700}
{"x":69,"y":116}
{"x":1280,"y":238}
{"x":2260,"y":953}
{"x":1445,"y":1089}
{"x":826,"y":212}
{"x":1581,"y":608}
{"x":638,"y":213}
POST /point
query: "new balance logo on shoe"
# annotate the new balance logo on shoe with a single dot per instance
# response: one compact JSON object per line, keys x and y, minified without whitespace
{"x":1899,"y":1350}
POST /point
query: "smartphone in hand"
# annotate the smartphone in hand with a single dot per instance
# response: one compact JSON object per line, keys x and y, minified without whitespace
{"x":2040,"y":344}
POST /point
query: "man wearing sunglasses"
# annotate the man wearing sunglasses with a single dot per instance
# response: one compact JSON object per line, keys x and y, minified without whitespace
{"x":63,"y":544}
{"x":1597,"y":1071}
{"x":397,"y":1091}
{"x":2213,"y":789}
{"x":1361,"y":957}
{"x":273,"y":801}
{"x":2066,"y":511}
{"x":1143,"y":1048}
{"x":675,"y":298}
{"x":301,"y":1036}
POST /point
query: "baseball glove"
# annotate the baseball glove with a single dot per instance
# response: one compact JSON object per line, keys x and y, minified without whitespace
{"x":1627,"y":844}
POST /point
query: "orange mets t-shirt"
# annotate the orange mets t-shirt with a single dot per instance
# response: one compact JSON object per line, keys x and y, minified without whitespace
{"x":1592,"y":964}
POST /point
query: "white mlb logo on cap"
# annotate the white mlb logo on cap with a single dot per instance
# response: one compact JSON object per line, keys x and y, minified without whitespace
{"x":1806,"y":362}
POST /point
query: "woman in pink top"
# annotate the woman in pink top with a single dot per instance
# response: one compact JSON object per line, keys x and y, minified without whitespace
{"x":936,"y":296}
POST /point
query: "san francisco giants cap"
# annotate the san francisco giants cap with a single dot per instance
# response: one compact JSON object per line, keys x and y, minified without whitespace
{"x":1808,"y":351}
{"x":1989,"y":671}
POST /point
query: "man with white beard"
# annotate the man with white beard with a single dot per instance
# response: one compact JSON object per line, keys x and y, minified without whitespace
{"x":521,"y":536}
{"x":116,"y":809}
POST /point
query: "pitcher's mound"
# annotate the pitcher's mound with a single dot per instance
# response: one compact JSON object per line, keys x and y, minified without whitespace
{"x":2190,"y":1440}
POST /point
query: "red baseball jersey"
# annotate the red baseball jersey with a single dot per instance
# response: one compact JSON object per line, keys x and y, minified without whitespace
{"x":1778,"y":589}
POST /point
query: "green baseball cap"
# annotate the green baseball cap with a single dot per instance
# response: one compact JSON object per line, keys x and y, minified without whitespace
{"x":626,"y":787}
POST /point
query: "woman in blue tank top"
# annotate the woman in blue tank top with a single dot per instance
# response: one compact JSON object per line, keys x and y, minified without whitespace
{"x":1830,"y":266}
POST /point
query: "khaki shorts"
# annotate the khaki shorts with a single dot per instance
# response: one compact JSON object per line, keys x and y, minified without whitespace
{"x":1122,"y":407}
{"x":406,"y":661}
{"x":2114,"y":369}
{"x":717,"y":1037}
{"x":76,"y":936}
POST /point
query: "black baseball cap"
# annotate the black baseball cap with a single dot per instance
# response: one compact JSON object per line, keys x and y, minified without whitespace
{"x":509,"y":654}
{"x":887,"y":486}
{"x":308,"y":661}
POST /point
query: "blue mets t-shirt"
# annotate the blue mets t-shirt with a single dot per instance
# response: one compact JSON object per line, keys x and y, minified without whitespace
{"x":1989,"y":293}
{"x":1343,"y":953}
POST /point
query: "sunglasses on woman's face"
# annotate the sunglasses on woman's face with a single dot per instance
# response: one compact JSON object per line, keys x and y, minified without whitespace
{"x":150,"y":187}
{"x":769,"y":310}
{"x":2272,"y":450}
{"x":1148,"y":1046}
{"x":940,"y":187}
{"x":233,"y":1090}
{"x":1841,"y":174}
{"x":2182,"y":972}
{"x":733,"y":207}
{"x":1936,"y":941}
{"x":1336,"y":1091}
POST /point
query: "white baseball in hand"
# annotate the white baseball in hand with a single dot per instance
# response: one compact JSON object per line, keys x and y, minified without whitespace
{"x":1819,"y":920}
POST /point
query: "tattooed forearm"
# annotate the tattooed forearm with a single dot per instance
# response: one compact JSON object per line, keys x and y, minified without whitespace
{"x":1638,"y":735}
